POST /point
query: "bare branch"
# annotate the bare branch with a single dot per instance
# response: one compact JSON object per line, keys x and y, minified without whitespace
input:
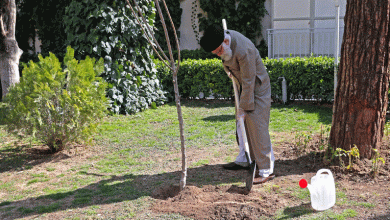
{"x":174,"y":31}
{"x":165,"y":30}
{"x":147,"y":34}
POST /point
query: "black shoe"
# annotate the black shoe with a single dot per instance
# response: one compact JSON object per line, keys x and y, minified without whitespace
{"x":234,"y":166}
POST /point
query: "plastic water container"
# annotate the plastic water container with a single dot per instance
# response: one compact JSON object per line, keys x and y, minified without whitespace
{"x":322,"y":190}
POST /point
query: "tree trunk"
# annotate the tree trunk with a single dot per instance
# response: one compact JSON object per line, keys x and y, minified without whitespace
{"x":363,"y":78}
{"x":9,"y":50}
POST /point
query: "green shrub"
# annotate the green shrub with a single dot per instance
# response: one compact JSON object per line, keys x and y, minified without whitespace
{"x":196,"y":76}
{"x":198,"y":54}
{"x":55,"y":105}
{"x":108,"y":29}
{"x":306,"y":78}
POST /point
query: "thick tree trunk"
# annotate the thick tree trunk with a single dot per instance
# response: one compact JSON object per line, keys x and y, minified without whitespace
{"x":9,"y":50}
{"x":363,"y":77}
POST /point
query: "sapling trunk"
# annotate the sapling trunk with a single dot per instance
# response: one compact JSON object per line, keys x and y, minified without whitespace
{"x":173,"y":68}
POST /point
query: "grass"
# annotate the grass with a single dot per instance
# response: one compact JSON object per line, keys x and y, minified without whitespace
{"x":126,"y":148}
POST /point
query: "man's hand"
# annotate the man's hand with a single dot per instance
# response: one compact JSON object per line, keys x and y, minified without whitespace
{"x":228,"y":72}
{"x":241,"y":113}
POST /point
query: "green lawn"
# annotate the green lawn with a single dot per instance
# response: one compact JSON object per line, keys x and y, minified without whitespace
{"x":133,"y":154}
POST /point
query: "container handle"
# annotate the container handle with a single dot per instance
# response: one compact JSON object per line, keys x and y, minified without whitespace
{"x":324,"y":170}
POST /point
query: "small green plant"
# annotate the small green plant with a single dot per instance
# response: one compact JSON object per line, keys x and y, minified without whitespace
{"x":353,"y":152}
{"x":387,"y":131}
{"x":57,"y":106}
{"x":375,"y":161}
{"x":323,"y":142}
{"x":339,"y":153}
{"x":301,"y":142}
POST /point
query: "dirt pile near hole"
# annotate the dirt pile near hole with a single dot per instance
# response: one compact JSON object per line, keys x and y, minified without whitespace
{"x":215,"y":202}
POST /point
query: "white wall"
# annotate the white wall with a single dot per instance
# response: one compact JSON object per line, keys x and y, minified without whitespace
{"x":294,"y":14}
{"x":188,"y":40}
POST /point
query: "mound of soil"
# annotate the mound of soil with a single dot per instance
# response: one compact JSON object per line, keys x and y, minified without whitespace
{"x":215,"y":202}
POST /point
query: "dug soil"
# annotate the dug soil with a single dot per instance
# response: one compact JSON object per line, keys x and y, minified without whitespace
{"x":281,"y":198}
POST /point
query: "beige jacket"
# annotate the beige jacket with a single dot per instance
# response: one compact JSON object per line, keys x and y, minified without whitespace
{"x":246,"y":65}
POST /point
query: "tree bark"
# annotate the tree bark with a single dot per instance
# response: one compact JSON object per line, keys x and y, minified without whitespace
{"x":363,"y":78}
{"x":9,"y":50}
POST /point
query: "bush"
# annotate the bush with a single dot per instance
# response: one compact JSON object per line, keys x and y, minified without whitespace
{"x":108,"y":29}
{"x":55,"y":105}
{"x":196,"y":76}
{"x":198,"y":54}
{"x":306,"y":78}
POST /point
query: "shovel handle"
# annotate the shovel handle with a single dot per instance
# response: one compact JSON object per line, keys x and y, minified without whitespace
{"x":237,"y":103}
{"x":241,"y":123}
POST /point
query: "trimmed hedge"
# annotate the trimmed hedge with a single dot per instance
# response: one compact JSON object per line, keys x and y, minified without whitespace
{"x":307,"y":78}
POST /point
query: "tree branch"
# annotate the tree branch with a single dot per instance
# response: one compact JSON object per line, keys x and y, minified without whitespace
{"x":147,"y":34}
{"x":174,"y":31}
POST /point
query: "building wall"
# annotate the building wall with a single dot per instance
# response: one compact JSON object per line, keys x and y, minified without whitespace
{"x":282,"y":14}
{"x":293,"y":14}
{"x":188,"y":40}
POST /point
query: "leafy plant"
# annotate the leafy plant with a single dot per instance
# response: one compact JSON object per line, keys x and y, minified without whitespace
{"x":55,"y":105}
{"x":375,"y":161}
{"x":339,"y":153}
{"x":196,"y":76}
{"x":353,"y":152}
{"x":208,"y":75}
{"x":307,"y":78}
{"x":108,"y":29}
{"x":302,"y":140}
{"x":36,"y":18}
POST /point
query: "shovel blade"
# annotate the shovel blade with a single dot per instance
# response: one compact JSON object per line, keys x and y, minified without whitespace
{"x":251,"y":176}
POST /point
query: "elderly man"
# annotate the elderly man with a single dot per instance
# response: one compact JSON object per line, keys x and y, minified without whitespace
{"x":242,"y":62}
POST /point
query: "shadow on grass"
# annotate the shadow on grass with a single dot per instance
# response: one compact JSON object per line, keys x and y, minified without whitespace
{"x":216,"y":118}
{"x":324,"y":113}
{"x":205,"y":103}
{"x":297,"y":211}
{"x":381,"y":217}
{"x":2,"y":113}
{"x":112,"y":189}
{"x":24,"y":157}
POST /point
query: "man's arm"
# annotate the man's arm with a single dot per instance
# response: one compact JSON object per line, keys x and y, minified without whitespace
{"x":248,"y":76}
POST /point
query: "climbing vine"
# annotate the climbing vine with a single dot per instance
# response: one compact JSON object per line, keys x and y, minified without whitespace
{"x":194,"y":16}
{"x":243,"y":16}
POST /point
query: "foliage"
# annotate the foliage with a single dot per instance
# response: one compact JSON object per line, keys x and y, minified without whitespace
{"x":301,"y":140}
{"x":306,"y":78}
{"x":198,"y":54}
{"x":57,"y":106}
{"x":353,"y":152}
{"x":175,"y":11}
{"x":37,"y":17}
{"x":245,"y":17}
{"x":196,"y":76}
{"x":107,"y":29}
{"x":375,"y":161}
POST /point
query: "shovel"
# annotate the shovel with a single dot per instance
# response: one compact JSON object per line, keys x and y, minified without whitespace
{"x":252,"y":164}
